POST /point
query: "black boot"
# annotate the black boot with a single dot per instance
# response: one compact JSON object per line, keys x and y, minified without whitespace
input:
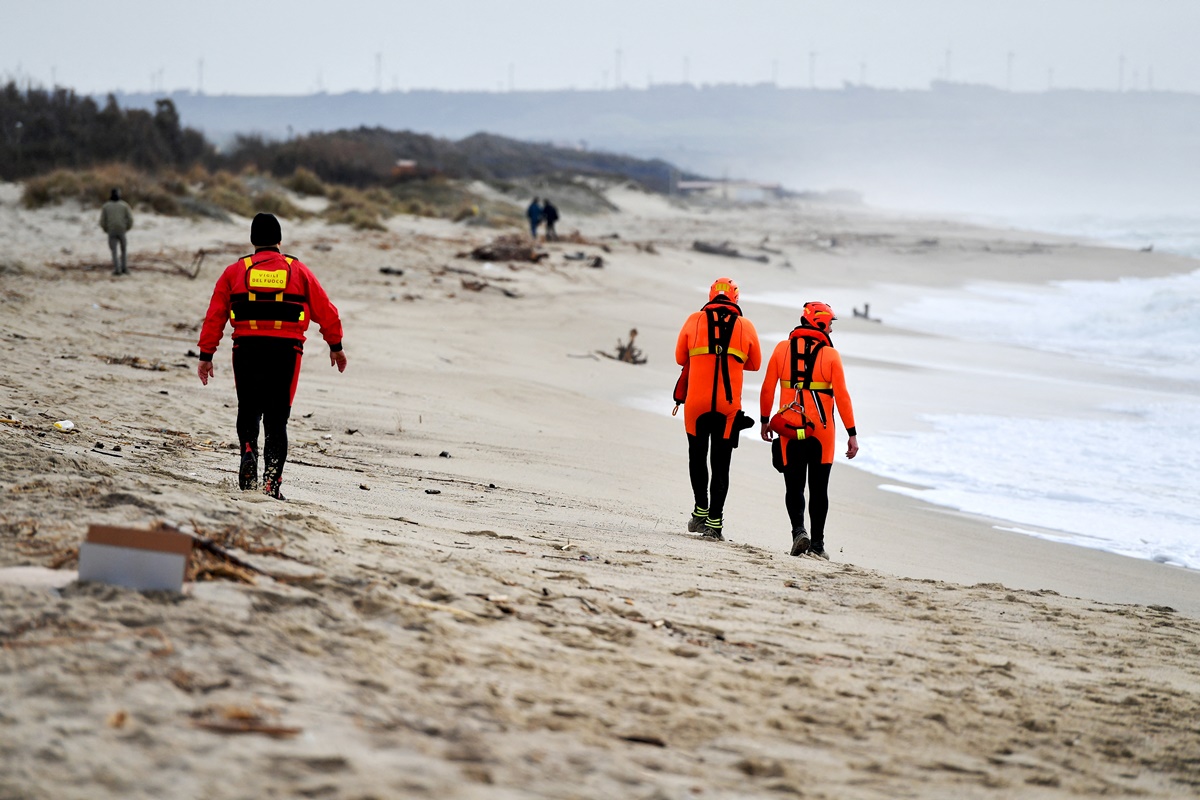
{"x":271,"y":488}
{"x":248,"y":474}
{"x":800,"y":541}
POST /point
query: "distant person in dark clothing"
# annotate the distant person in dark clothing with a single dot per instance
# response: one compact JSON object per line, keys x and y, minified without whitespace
{"x":116,"y":219}
{"x":550,"y":212}
{"x":534,"y":212}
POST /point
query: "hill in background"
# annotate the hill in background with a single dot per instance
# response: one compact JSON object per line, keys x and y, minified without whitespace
{"x":955,"y":146}
{"x":67,"y":146}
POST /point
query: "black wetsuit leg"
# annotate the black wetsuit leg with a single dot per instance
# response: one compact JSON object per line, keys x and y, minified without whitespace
{"x":804,"y":465}
{"x":265,"y":369}
{"x":710,"y":430}
{"x":698,"y":468}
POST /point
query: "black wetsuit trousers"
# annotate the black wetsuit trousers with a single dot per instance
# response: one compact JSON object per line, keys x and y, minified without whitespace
{"x":710,"y":430}
{"x":804,"y":466}
{"x":265,"y":369}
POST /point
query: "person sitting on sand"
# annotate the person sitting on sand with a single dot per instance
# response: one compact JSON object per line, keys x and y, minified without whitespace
{"x":116,"y":219}
{"x":534,"y":212}
{"x":550,"y":213}
{"x":715,"y":345}
{"x":269,"y":298}
{"x":809,"y":373}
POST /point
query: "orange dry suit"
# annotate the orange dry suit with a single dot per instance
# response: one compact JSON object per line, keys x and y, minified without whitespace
{"x":716,"y":344}
{"x":808,"y":371}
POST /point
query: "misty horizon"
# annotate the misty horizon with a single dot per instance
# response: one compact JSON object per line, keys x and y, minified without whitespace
{"x":953,"y":147}
{"x":1020,"y":45}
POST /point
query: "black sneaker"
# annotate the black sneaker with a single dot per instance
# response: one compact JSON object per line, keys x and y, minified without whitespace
{"x":698,"y":518}
{"x":271,"y":489}
{"x":819,"y":552}
{"x":713,"y":530}
{"x":248,"y":474}
{"x":800,"y":542}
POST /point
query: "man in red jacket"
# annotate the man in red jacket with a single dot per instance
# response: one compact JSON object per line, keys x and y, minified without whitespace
{"x":269,"y":298}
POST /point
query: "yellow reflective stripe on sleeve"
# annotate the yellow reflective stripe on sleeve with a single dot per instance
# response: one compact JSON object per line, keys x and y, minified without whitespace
{"x":278,"y":324}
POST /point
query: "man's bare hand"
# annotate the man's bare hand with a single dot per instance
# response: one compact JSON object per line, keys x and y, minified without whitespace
{"x":338,"y":360}
{"x":767,"y":434}
{"x":852,"y":447}
{"x":205,"y":371}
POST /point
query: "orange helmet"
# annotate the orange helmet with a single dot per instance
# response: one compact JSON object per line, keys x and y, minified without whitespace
{"x":724,"y":286}
{"x":817,"y":315}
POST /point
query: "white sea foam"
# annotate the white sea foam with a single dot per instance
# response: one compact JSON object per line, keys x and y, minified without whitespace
{"x":1179,"y":233}
{"x":1126,"y":484}
{"x":1140,"y":324}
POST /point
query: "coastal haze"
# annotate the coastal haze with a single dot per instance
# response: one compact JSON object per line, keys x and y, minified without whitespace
{"x":948,"y":147}
{"x":1065,"y":106}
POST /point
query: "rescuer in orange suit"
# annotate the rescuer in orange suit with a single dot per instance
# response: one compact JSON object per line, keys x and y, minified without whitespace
{"x":808,"y":371}
{"x":269,"y":298}
{"x":714,"y":347}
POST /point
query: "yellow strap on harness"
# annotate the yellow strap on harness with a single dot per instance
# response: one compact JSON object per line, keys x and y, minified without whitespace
{"x":818,"y":385}
{"x":253,"y":296}
{"x":709,"y":350}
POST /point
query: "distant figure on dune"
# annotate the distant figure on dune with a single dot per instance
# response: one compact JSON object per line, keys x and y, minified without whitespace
{"x":715,"y":344}
{"x":550,"y":212}
{"x":808,"y":371}
{"x":269,"y":298}
{"x":534,"y":212}
{"x":116,"y":219}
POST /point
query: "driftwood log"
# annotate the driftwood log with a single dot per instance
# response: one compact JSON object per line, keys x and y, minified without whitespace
{"x":626,"y":351}
{"x":865,"y":313}
{"x":508,"y":248}
{"x":153,"y":262}
{"x":723,"y":249}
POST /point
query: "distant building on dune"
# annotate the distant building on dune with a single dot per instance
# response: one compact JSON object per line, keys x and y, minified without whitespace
{"x":737,"y":191}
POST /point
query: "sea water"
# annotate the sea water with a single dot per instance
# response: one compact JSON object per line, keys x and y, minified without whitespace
{"x":1129,"y":485}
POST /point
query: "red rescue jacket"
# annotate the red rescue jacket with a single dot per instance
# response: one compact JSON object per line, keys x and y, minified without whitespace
{"x":268,"y":294}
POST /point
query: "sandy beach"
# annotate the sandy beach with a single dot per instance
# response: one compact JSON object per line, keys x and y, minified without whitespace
{"x":481,"y":585}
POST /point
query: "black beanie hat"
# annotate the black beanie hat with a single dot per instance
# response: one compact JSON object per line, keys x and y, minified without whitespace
{"x":265,"y":231}
{"x":115,"y":194}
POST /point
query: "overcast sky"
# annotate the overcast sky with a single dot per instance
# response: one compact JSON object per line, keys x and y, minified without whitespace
{"x":302,"y":46}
